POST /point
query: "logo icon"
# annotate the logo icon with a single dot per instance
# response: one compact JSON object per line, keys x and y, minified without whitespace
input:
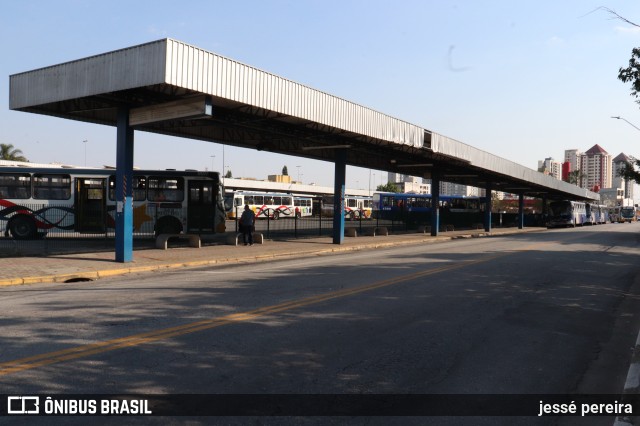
{"x":23,"y":405}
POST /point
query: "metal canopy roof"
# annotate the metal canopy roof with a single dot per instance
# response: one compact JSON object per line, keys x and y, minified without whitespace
{"x":255,"y":109}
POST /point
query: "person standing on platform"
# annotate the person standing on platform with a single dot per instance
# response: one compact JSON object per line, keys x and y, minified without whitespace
{"x":247,"y":221}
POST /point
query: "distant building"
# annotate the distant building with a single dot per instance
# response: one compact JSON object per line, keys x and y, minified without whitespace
{"x":414,"y":187}
{"x":611,"y":197}
{"x":572,"y":157}
{"x":449,"y":188}
{"x":395,"y":177}
{"x":279,"y":178}
{"x":595,"y":168}
{"x":619,"y":182}
{"x":550,"y":167}
{"x":566,"y":169}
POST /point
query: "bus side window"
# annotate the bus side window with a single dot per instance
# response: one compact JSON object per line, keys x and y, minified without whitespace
{"x":165,"y":189}
{"x":15,"y":185}
{"x":139,"y":188}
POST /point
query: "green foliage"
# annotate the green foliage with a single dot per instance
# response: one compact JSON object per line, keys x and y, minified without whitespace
{"x":574,"y":177}
{"x":8,"y":152}
{"x":388,"y":187}
{"x":630,"y":170}
{"x":285,"y":171}
{"x":228,"y":175}
{"x":632,"y":73}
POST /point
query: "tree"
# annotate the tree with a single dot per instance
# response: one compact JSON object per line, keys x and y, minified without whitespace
{"x":8,"y":152}
{"x":632,"y":73}
{"x":285,"y":172}
{"x":388,"y":187}
{"x":630,"y":170}
{"x":228,"y":175}
{"x":574,"y":177}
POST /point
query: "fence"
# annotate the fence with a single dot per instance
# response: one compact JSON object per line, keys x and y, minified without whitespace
{"x":58,"y":233}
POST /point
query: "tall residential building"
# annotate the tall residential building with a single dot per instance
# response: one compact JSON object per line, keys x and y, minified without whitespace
{"x":571,"y":156}
{"x":551,"y":167}
{"x":595,"y":168}
{"x":617,"y":181}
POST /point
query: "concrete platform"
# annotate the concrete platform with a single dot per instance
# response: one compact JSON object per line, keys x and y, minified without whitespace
{"x":96,"y":265}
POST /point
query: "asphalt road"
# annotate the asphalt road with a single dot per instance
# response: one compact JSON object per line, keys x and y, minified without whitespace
{"x":540,"y":313}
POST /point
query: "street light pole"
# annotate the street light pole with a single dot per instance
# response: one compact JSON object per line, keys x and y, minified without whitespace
{"x":628,"y":122}
{"x":85,"y":152}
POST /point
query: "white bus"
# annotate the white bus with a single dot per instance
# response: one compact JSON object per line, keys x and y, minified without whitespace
{"x":271,"y":205}
{"x":356,"y":207}
{"x":303,"y":205}
{"x":35,"y":201}
{"x":567,"y":213}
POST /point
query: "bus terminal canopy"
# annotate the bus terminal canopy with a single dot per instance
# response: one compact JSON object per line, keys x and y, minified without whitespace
{"x":173,"y":88}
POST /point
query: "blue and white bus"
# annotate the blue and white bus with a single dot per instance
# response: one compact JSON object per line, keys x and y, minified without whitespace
{"x":454,"y":209}
{"x":567,"y":213}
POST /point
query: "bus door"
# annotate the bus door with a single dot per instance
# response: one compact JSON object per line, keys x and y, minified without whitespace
{"x":90,"y":202}
{"x":200,"y":206}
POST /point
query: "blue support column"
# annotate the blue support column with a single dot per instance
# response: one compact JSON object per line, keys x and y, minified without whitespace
{"x":487,"y":208}
{"x":521,"y":211}
{"x":338,"y":195}
{"x":124,"y":188}
{"x":435,"y":205}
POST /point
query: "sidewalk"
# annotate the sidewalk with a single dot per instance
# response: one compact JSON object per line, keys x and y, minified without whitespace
{"x":96,"y":265}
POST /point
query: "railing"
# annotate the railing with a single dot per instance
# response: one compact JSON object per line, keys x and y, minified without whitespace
{"x":57,"y":232}
{"x":46,"y":229}
{"x":304,"y":227}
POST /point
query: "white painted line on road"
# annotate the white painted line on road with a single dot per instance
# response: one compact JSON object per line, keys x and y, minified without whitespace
{"x":633,"y":377}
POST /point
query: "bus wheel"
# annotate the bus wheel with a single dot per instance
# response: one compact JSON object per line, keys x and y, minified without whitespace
{"x":22,"y":228}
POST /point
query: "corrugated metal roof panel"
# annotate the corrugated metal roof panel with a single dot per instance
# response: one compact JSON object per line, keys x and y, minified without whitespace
{"x":450,"y":147}
{"x":119,"y":70}
{"x":189,"y":66}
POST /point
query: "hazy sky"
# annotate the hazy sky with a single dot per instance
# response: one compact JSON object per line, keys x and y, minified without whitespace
{"x":523,"y":80}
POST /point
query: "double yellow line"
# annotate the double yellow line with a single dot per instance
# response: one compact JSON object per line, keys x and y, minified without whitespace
{"x":77,"y":352}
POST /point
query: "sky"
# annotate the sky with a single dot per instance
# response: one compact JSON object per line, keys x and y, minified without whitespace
{"x":523,"y":80}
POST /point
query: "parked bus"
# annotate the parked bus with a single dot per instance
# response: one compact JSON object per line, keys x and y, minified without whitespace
{"x":628,"y":214}
{"x":271,"y":205}
{"x":454,"y":209}
{"x":567,"y":213}
{"x":355,"y":206}
{"x":303,"y":205}
{"x":601,"y":213}
{"x":35,"y":201}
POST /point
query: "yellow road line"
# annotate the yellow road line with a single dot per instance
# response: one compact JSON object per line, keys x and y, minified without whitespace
{"x":77,"y":352}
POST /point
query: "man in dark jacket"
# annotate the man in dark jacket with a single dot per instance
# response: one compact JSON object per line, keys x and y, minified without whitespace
{"x":246,"y":225}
